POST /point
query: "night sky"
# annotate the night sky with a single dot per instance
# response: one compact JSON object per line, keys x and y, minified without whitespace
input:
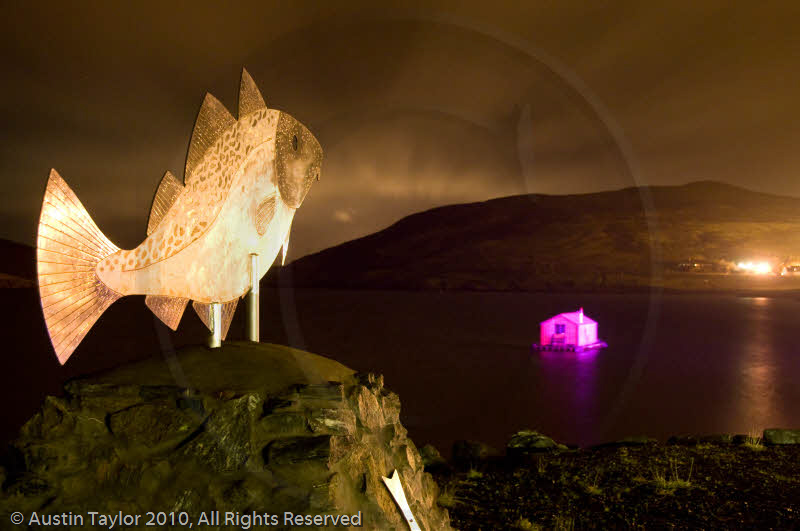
{"x":414,"y":107}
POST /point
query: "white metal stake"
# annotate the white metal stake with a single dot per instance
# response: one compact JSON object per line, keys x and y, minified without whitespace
{"x":396,"y":488}
{"x":215,"y":341}
{"x":253,"y":302}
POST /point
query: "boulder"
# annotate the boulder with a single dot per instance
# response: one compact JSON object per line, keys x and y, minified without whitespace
{"x":694,"y":440}
{"x":719,"y":438}
{"x":683,"y":440}
{"x":467,"y":453}
{"x":635,"y":440}
{"x":243,"y":428}
{"x":431,"y":458}
{"x":529,"y":441}
{"x":779,"y":436}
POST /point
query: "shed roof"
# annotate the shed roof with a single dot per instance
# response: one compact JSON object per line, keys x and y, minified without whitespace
{"x":575,"y":317}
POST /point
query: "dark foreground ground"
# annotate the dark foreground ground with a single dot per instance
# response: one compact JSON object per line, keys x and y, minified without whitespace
{"x":648,"y":486}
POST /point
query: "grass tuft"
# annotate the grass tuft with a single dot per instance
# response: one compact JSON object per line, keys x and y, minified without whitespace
{"x":474,"y":474}
{"x":594,"y":487}
{"x":527,"y":525}
{"x":754,"y":441}
{"x":564,"y":523}
{"x":670,"y":482}
{"x":594,"y":490}
{"x":447,"y":498}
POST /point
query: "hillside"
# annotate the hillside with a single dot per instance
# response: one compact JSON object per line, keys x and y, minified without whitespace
{"x":602,"y":240}
{"x":535,"y":242}
{"x":18,"y":265}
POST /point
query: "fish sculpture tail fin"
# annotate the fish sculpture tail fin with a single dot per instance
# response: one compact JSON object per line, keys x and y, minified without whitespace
{"x":68,"y":248}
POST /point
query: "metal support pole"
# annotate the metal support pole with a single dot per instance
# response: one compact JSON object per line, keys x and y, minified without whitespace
{"x":215,"y":340}
{"x":253,"y":301}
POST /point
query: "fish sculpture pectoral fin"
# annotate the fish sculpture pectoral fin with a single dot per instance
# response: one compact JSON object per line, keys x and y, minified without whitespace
{"x":69,"y":247}
{"x":204,"y":313}
{"x":264,"y":214}
{"x":168,"y":309}
{"x":166,"y":195}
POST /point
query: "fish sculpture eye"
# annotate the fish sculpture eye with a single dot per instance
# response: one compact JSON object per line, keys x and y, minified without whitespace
{"x":294,"y":142}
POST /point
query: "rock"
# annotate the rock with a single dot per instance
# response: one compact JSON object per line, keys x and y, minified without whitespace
{"x":528,"y":441}
{"x":466,"y":453}
{"x":694,"y":440}
{"x":251,"y":427}
{"x":683,"y":440}
{"x":431,"y":458}
{"x":637,"y":440}
{"x":721,"y":438}
{"x":779,"y":436}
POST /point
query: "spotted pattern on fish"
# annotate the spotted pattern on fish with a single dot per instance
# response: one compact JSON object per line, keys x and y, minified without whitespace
{"x":206,"y":190}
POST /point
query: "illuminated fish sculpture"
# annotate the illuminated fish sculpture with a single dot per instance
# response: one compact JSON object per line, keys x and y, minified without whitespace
{"x":243,"y":182}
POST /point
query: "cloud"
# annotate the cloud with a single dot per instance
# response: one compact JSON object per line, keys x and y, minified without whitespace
{"x":435,"y":125}
{"x":343,"y":216}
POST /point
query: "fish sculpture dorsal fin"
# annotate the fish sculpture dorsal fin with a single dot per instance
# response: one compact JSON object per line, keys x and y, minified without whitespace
{"x":212,"y":120}
{"x":168,"y":309}
{"x":166,"y":195}
{"x":204,"y":313}
{"x":250,"y":99}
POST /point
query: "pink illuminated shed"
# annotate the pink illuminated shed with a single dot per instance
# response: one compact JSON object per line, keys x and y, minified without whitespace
{"x":569,"y":331}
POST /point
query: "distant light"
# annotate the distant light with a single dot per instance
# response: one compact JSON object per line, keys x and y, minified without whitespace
{"x":757,"y":268}
{"x":762,"y":268}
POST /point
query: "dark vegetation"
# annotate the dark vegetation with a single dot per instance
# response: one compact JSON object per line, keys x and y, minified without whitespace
{"x":694,"y":483}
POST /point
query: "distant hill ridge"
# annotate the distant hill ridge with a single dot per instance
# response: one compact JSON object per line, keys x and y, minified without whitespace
{"x":535,"y":241}
{"x":17,"y":261}
{"x":540,"y":242}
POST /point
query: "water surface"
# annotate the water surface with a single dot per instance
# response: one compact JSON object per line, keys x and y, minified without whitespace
{"x":463,"y":367}
{"x":462,"y":362}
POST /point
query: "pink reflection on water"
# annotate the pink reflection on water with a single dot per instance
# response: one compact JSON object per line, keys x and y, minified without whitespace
{"x":585,"y":356}
{"x":580,"y":368}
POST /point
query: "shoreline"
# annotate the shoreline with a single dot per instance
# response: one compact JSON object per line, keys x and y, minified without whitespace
{"x":790,"y":289}
{"x":771,"y":293}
